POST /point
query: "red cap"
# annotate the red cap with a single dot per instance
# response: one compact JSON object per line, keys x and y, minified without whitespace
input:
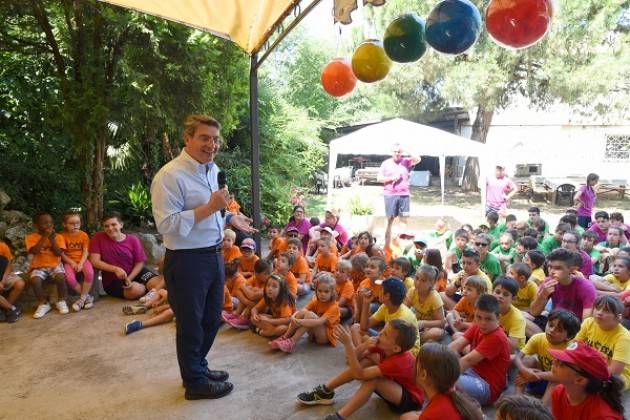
{"x":584,"y":357}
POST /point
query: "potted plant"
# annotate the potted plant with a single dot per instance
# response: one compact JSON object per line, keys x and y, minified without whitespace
{"x":361,"y":214}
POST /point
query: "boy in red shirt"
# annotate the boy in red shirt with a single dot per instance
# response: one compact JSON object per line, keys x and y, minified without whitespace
{"x":393,"y":378}
{"x":585,"y":389}
{"x":484,"y":368}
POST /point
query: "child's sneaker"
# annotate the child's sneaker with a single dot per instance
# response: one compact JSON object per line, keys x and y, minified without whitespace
{"x":79,"y":304}
{"x":42,"y":310}
{"x":275,"y":344}
{"x":227,"y":316}
{"x":62,"y":307}
{"x":152,"y":293}
{"x":239,"y":323}
{"x":12,"y":315}
{"x":89,"y":302}
{"x":319,"y":395}
{"x":132,"y":327}
{"x":287,"y":345}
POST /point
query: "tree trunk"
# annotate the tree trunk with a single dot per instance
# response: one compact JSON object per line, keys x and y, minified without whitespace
{"x":480,"y":129}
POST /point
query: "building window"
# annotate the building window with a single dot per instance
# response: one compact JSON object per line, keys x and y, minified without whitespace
{"x":617,"y":148}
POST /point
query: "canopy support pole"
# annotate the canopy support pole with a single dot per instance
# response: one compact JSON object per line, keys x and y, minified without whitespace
{"x":255,"y":148}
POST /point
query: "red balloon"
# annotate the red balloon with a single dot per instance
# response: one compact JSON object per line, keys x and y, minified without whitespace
{"x":518,"y":23}
{"x":337,"y":77}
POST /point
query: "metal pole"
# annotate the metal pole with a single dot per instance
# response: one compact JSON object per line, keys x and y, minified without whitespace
{"x":255,"y":148}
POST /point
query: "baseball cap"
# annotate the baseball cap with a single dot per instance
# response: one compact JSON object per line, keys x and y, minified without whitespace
{"x":584,"y":357}
{"x":420,"y":240}
{"x":334,"y":212}
{"x":248,"y":243}
{"x":292,"y":229}
{"x":334,"y":233}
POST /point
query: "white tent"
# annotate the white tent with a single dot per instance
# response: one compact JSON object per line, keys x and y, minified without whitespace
{"x":418,"y":139}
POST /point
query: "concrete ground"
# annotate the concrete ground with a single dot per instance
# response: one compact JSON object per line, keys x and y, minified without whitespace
{"x":80,"y":366}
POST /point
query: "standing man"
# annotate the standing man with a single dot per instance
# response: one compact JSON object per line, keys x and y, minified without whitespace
{"x":394,"y":173}
{"x":499,"y":190}
{"x":187,"y":204}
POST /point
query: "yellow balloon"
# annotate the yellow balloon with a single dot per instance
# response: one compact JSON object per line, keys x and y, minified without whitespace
{"x":369,"y":61}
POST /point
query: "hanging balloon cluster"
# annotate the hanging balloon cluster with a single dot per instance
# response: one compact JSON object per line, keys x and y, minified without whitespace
{"x":452,"y":27}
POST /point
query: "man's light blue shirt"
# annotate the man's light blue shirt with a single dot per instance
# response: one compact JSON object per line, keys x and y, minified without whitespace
{"x":177,"y":189}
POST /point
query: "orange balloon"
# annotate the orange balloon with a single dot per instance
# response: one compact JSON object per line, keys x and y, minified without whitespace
{"x":370,"y":62}
{"x":337,"y":77}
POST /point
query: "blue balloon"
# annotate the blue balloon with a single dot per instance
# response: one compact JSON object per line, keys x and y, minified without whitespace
{"x":453,"y":26}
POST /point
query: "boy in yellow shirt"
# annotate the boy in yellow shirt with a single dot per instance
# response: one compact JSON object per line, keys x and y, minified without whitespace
{"x":617,"y":282}
{"x":535,"y":259}
{"x":527,"y":289}
{"x":534,"y":361}
{"x":511,"y":319}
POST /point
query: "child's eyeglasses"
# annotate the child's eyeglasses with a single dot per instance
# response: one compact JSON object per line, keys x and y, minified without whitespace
{"x":573,"y":368}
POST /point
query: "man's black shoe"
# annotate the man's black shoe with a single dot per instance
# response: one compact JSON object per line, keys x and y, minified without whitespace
{"x":217,"y":375}
{"x":209,"y":392}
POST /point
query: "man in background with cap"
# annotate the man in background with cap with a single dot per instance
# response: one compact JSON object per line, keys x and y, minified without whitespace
{"x":394,"y":174}
{"x":499,"y":190}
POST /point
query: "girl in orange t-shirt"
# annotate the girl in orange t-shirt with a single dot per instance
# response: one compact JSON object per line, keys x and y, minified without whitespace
{"x":75,"y":260}
{"x":437,"y":370}
{"x":318,"y":319}
{"x":325,"y":260}
{"x":272,"y":314}
{"x":359,"y":264}
{"x":248,"y":294}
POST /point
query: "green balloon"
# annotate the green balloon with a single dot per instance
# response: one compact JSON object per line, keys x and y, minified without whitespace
{"x":404,"y":39}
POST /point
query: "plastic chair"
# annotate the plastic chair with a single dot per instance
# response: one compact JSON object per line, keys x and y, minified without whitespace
{"x":564,"y":195}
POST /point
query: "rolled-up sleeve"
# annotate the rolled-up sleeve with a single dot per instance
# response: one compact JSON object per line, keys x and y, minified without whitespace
{"x":168,"y":206}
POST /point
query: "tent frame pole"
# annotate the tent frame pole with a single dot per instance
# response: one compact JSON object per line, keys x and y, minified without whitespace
{"x":255,"y":148}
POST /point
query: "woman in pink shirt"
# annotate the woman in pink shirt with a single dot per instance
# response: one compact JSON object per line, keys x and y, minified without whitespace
{"x":585,"y":199}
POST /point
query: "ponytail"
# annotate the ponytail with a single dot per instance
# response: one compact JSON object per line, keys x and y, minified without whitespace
{"x":610,"y":391}
{"x":467,"y":408}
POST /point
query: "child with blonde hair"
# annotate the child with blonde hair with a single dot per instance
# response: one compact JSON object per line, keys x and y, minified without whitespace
{"x":272,"y":314}
{"x":318,"y":319}
{"x":428,"y":305}
{"x":345,"y":290}
{"x":230,"y":251}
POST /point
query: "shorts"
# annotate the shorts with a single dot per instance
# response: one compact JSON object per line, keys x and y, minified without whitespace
{"x":396,"y":205}
{"x":10,"y":281}
{"x":474,"y":385}
{"x":45,"y":272}
{"x":407,"y":403}
{"x":115,"y":287}
{"x":537,"y":388}
{"x":496,"y":209}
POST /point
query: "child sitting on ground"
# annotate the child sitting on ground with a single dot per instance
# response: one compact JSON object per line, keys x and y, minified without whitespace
{"x":534,"y":361}
{"x":587,"y":244}
{"x":505,"y":250}
{"x":318,"y":319}
{"x":345,"y":291}
{"x":617,"y":281}
{"x":453,"y":261}
{"x":284,"y":262}
{"x":277,"y":243}
{"x":11,"y":286}
{"x":525,"y":244}
{"x":326,"y":260}
{"x":359,"y":264}
{"x":248,"y":257}
{"x":272,"y":315}
{"x":233,"y":282}
{"x":512,"y":320}
{"x":536,"y":260}
{"x":433,"y":257}
{"x":604,"y":332}
{"x":369,"y":290}
{"x":470,"y":264}
{"x":392,"y":307}
{"x":230,"y":251}
{"x":437,"y":370}
{"x":461,"y":317}
{"x":249,"y":294}
{"x":427,"y":304}
{"x":46,"y":247}
{"x":75,"y":259}
{"x":392,"y":377}
{"x":484,"y":368}
{"x":527,"y":289}
{"x":400,"y":268}
{"x":586,"y":389}
{"x":162,"y":313}
{"x":299,"y":269}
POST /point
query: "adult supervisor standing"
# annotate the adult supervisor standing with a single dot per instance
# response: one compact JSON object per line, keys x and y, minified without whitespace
{"x":187,"y":204}
{"x":499,"y":190}
{"x":394,"y":173}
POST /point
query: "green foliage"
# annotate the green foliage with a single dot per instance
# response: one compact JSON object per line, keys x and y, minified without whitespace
{"x":134,"y":204}
{"x":359,"y":208}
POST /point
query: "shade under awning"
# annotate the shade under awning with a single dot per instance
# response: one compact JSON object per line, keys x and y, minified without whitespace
{"x":248,"y":23}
